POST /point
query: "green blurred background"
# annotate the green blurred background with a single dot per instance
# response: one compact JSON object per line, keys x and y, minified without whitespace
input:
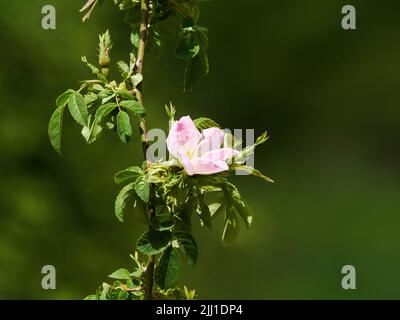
{"x":328,"y":97}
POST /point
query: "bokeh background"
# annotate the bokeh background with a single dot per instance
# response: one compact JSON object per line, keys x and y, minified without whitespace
{"x":328,"y":97}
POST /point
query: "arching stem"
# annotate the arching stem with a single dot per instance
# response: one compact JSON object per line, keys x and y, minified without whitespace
{"x":144,"y":24}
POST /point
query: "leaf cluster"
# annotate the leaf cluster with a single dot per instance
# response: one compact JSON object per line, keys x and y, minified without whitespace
{"x":100,"y":104}
{"x":178,"y":199}
{"x":129,"y":285}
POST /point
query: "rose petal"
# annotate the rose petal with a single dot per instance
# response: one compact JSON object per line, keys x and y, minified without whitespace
{"x":204,"y":166}
{"x":183,"y":134}
{"x":220,"y":154}
{"x":213,"y":138}
{"x":186,"y":162}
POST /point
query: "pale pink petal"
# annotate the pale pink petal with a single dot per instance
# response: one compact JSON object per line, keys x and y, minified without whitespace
{"x":220,"y":154}
{"x":204,"y":166}
{"x":185,"y":160}
{"x":213,"y":138}
{"x":183,"y":134}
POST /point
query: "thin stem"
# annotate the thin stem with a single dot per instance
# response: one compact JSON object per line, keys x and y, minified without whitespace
{"x":139,"y":66}
{"x":144,"y":22}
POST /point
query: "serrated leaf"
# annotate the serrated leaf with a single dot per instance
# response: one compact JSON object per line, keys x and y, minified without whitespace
{"x":231,"y":228}
{"x":94,"y":69}
{"x":188,"y":246}
{"x":204,"y":212}
{"x":122,"y":66}
{"x":135,"y":39}
{"x":134,"y":106}
{"x":124,"y":127}
{"x":120,"y":274}
{"x":244,"y":212}
{"x":153,"y":242}
{"x":187,"y":47}
{"x":154,"y":44}
{"x":142,"y":188}
{"x":106,"y":99}
{"x":216,"y":209}
{"x":103,"y":111}
{"x":103,"y":94}
{"x":262,"y":138}
{"x":251,"y":171}
{"x":105,"y":289}
{"x":205,"y":123}
{"x":123,"y":295}
{"x":130,"y":173}
{"x":62,"y":100}
{"x":124,"y":69}
{"x":78,"y":109}
{"x":90,"y":98}
{"x":91,"y":133}
{"x":124,"y":94}
{"x":193,"y":73}
{"x":55,"y":128}
{"x":163,"y":222}
{"x":136,"y":79}
{"x":120,"y":201}
{"x":168,"y":269}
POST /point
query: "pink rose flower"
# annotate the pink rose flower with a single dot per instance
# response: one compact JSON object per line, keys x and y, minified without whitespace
{"x":199,"y":153}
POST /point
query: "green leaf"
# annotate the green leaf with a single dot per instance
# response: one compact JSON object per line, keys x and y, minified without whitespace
{"x":120,"y":274}
{"x":103,"y":111}
{"x":204,"y":212}
{"x":205,"y":123}
{"x":103,"y":94}
{"x":251,"y":171}
{"x":94,"y":69}
{"x":124,"y":127}
{"x":105,"y":290}
{"x":90,"y":98}
{"x":231,"y":227}
{"x":245,"y":213}
{"x":62,"y":100}
{"x":154,"y":44}
{"x":130,"y":173}
{"x":135,"y":107}
{"x":202,"y":37}
{"x":193,"y":73}
{"x":55,"y":128}
{"x":163,"y":222}
{"x":124,"y":69}
{"x":120,"y":202}
{"x":125,"y":94}
{"x":135,"y":39}
{"x":216,"y":209}
{"x":91,"y":133}
{"x":188,"y":246}
{"x":142,"y":188}
{"x":106,"y":99}
{"x":168,"y":269}
{"x":204,"y":63}
{"x":262,"y":138}
{"x":153,"y":242}
{"x":123,"y":295}
{"x":187,"y":47}
{"x":91,"y":297}
{"x":136,"y":79}
{"x":78,"y":109}
{"x":170,"y":110}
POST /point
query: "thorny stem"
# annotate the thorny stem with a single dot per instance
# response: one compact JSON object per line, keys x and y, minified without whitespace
{"x":144,"y":22}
